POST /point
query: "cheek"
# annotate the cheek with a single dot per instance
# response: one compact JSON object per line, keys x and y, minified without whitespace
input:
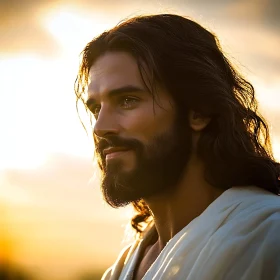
{"x":144,"y":125}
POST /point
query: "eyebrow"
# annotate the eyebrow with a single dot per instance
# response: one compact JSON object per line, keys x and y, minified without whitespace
{"x":118,"y":91}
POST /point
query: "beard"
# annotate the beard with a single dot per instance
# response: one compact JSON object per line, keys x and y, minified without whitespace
{"x":159,"y":166}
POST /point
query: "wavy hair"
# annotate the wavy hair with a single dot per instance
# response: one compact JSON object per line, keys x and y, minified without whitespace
{"x":187,"y":60}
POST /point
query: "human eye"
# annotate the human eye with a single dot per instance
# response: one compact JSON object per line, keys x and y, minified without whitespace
{"x":128,"y":102}
{"x":95,"y":109}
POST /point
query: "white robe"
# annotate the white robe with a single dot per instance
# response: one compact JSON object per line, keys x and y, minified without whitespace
{"x":236,"y":238}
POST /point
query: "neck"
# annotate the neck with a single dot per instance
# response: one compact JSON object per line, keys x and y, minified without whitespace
{"x":173,"y":211}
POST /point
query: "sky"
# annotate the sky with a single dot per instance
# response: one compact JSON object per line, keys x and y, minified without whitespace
{"x":52,"y":210}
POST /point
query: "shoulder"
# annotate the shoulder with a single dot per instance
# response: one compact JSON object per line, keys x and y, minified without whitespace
{"x":250,"y":199}
{"x":254,"y":224}
{"x":252,"y":210}
{"x":251,"y":225}
{"x":248,"y":241}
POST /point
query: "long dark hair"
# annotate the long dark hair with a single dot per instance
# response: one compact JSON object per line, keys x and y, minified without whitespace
{"x":187,"y":60}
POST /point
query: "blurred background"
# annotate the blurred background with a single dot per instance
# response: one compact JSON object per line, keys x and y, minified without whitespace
{"x":53,"y":222}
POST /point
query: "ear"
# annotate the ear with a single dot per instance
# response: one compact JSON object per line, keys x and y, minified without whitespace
{"x":197,"y":121}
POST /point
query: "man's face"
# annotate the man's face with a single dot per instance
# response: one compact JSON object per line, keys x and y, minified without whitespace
{"x":141,"y":145}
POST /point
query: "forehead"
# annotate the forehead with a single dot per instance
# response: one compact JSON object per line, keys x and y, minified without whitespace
{"x":114,"y":70}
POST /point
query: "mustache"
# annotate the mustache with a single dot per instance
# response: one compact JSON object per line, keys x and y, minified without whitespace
{"x":113,"y":141}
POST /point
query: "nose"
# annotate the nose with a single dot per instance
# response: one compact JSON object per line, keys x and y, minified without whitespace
{"x":106,"y":123}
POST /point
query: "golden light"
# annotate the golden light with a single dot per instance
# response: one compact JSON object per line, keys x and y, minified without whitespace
{"x":48,"y":201}
{"x":34,"y":90}
{"x":73,"y":28}
{"x":276,"y":148}
{"x":20,"y":112}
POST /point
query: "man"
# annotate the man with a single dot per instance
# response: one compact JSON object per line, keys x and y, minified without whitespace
{"x":178,"y":135}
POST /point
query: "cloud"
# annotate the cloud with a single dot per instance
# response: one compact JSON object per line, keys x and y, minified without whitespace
{"x":22,"y":27}
{"x":20,"y":30}
{"x":64,"y":184}
{"x":266,"y":12}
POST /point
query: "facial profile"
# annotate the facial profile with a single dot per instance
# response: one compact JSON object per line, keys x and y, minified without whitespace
{"x":141,"y":144}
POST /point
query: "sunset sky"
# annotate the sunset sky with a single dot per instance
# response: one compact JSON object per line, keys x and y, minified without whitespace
{"x":53,"y":221}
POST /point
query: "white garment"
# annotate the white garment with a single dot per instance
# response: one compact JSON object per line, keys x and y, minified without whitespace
{"x":236,"y":238}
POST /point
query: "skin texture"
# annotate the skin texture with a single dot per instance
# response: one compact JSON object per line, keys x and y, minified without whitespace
{"x":129,"y":118}
{"x":135,"y":115}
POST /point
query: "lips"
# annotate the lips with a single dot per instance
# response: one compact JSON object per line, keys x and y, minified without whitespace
{"x":109,"y":151}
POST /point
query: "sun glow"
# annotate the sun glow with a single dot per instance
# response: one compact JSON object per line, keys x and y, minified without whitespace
{"x":73,"y":28}
{"x":45,"y":162}
{"x":38,"y":115}
{"x":276,"y":149}
{"x":20,"y":123}
{"x":34,"y":89}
